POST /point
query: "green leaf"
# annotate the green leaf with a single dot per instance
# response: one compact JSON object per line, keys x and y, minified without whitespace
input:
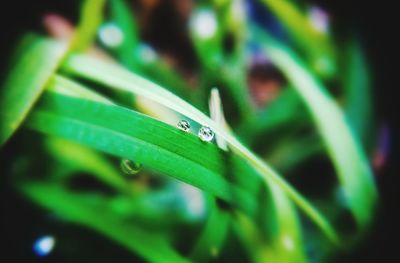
{"x":90,"y":19}
{"x":213,"y":235}
{"x":283,"y":112}
{"x":214,"y":232}
{"x":317,"y":45}
{"x":83,"y":121}
{"x":349,"y":159}
{"x":215,"y":64}
{"x":79,"y":157}
{"x":138,"y":56}
{"x":36,"y":61}
{"x":121,"y":16}
{"x":293,"y":150}
{"x":81,"y":209}
{"x":285,"y":245}
{"x":358,"y":92}
{"x":121,"y":79}
{"x":59,"y":84}
{"x":131,"y":135}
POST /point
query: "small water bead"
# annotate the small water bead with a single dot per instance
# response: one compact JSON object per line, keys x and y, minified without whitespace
{"x":129,"y":167}
{"x":183,"y":125}
{"x":206,"y":134}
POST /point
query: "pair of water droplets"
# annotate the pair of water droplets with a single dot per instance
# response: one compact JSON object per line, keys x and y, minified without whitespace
{"x":205,"y":134}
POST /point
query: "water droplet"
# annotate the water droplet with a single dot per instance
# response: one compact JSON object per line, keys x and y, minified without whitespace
{"x":183,"y":125}
{"x":129,"y":167}
{"x":206,"y":134}
{"x":44,"y":245}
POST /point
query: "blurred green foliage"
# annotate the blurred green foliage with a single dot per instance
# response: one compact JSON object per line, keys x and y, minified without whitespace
{"x":92,"y":110}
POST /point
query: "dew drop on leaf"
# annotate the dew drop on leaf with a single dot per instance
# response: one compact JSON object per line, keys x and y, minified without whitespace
{"x":183,"y":125}
{"x":130,"y":167}
{"x":206,"y":134}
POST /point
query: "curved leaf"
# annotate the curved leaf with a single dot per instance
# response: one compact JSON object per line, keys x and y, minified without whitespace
{"x":131,"y":135}
{"x":121,"y":79}
{"x":317,"y":45}
{"x":90,"y":19}
{"x":78,"y":209}
{"x":39,"y":59}
{"x":349,"y":159}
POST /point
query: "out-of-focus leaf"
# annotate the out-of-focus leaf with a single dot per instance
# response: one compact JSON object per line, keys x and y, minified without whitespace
{"x":166,"y":75}
{"x":79,"y":157}
{"x":37,"y":60}
{"x":317,"y":45}
{"x":120,"y":79}
{"x":357,"y":92}
{"x":213,"y":235}
{"x":217,"y":115}
{"x":208,"y":31}
{"x":283,"y":112}
{"x":210,"y":241}
{"x":81,"y":209}
{"x":293,"y":151}
{"x":285,"y":242}
{"x":349,"y":159}
{"x":121,"y":16}
{"x":138,"y":56}
{"x":90,"y":19}
{"x":65,"y":86}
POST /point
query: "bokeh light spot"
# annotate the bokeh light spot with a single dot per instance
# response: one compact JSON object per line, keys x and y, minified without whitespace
{"x":44,"y":245}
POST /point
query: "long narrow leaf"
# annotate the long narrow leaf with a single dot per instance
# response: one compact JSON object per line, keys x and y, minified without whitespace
{"x":119,"y":78}
{"x":349,"y":159}
{"x":91,"y":17}
{"x":22,"y":88}
{"x":317,"y":45}
{"x":131,"y":135}
{"x":77,"y":209}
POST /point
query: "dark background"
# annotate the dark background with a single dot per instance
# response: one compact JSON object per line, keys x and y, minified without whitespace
{"x":374,"y":22}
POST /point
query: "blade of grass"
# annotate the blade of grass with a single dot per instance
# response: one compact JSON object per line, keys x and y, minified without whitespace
{"x":293,"y":151}
{"x":283,"y":248}
{"x":133,"y":136}
{"x":216,"y":239}
{"x":118,"y":78}
{"x":210,"y":241}
{"x":77,"y":156}
{"x":77,"y":209}
{"x":213,"y":235}
{"x":213,"y":60}
{"x":71,"y":159}
{"x":121,"y":15}
{"x":285,"y":111}
{"x":217,"y":115}
{"x":317,"y":45}
{"x":65,"y":86}
{"x":90,"y":19}
{"x":343,"y":148}
{"x":139,"y":57}
{"x":38,"y":59}
{"x":358,"y":92}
